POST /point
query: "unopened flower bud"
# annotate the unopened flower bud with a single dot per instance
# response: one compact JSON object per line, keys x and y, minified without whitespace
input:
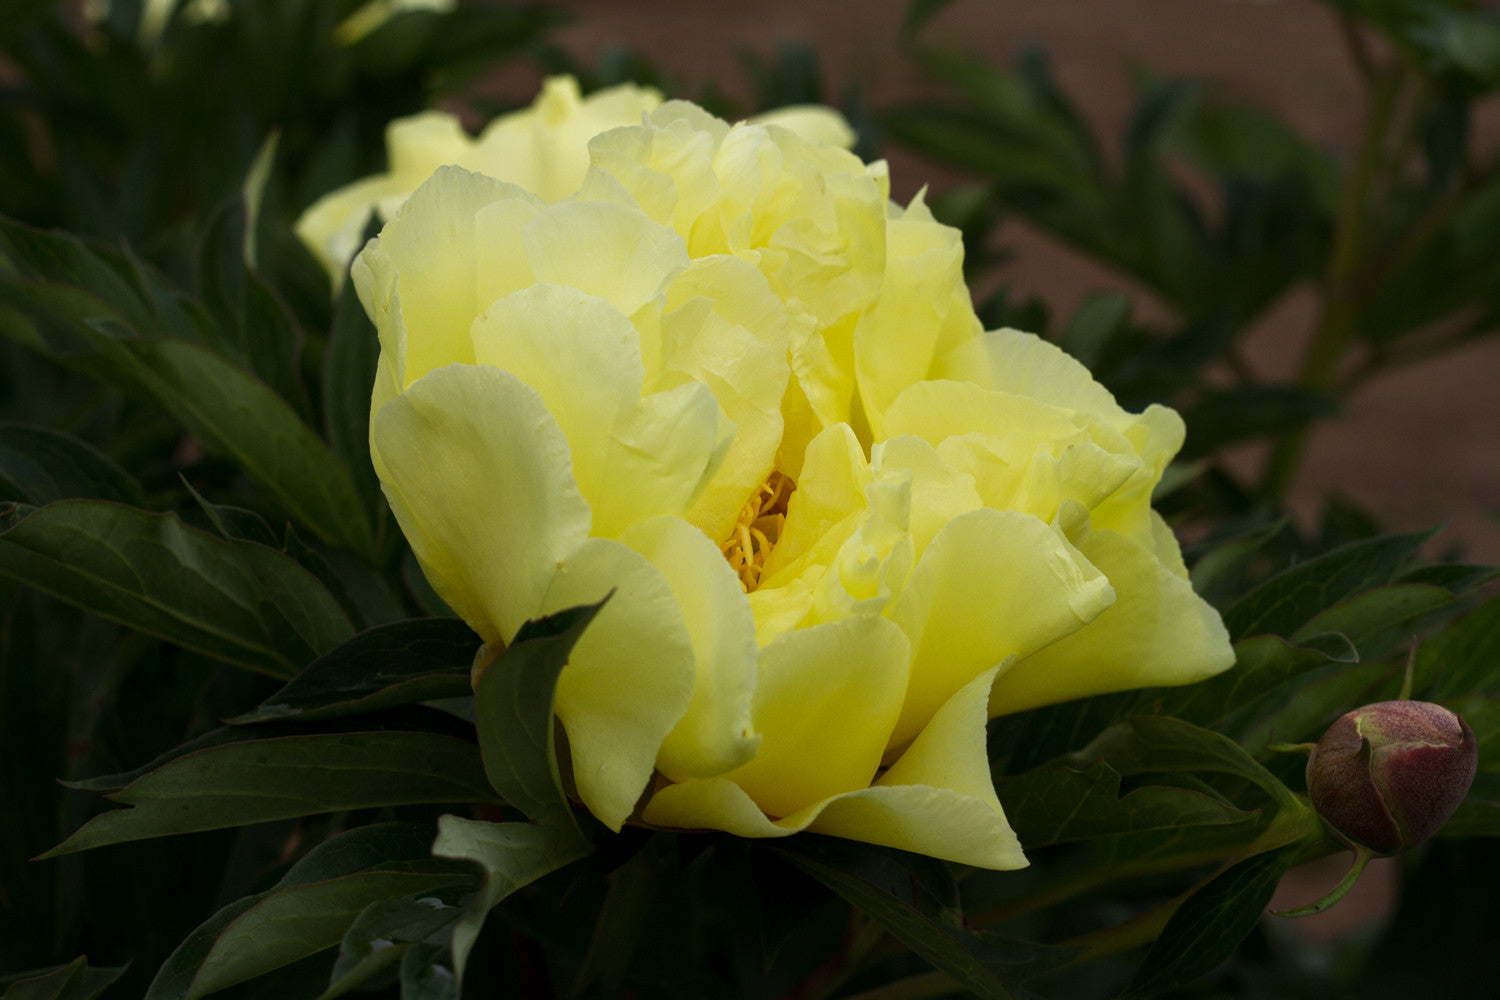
{"x":1387,"y":776}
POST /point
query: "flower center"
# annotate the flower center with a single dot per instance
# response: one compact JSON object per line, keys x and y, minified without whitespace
{"x":757,"y":528}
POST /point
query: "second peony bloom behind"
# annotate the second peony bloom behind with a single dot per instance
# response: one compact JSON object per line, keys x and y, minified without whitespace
{"x":728,"y":380}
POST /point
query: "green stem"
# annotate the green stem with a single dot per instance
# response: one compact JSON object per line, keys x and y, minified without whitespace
{"x":1341,"y":307}
{"x":1362,"y":856}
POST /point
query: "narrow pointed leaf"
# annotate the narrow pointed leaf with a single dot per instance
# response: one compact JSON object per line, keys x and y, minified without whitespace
{"x":39,"y":465}
{"x":513,"y":710}
{"x":387,"y":928}
{"x":236,"y":601}
{"x":1211,"y":923}
{"x":261,"y":780}
{"x":511,"y":855}
{"x":395,"y":664}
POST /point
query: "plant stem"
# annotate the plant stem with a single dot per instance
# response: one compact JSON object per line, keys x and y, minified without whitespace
{"x":1341,"y":307}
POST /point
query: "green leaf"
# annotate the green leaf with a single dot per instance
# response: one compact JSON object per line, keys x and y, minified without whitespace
{"x":1464,"y":658}
{"x":283,"y":777}
{"x":386,"y":929}
{"x":74,"y":981}
{"x":307,"y":911}
{"x":1054,"y":804}
{"x":395,"y":664}
{"x":513,"y":711}
{"x":916,"y":900}
{"x":1154,"y":744}
{"x":95,"y":309}
{"x":1287,"y":601}
{"x":237,"y":415}
{"x":348,"y":374}
{"x":263,"y":334}
{"x":236,"y":601}
{"x":39,"y":465}
{"x":1211,"y":923}
{"x":511,"y":855}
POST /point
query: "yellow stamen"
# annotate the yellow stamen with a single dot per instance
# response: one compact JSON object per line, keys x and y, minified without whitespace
{"x":757,"y":529}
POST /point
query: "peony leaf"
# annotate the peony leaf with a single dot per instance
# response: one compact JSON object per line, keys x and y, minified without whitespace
{"x":94,"y":309}
{"x":348,"y":373}
{"x":1211,"y":923}
{"x":74,"y":981}
{"x":282,"y":777}
{"x":916,"y":900}
{"x":236,"y":601}
{"x":1155,"y":744}
{"x":39,"y":465}
{"x":1287,"y":601}
{"x":512,"y":855}
{"x":1465,"y":657}
{"x":386,"y":929}
{"x":1055,"y":803}
{"x":396,"y":664}
{"x":513,"y":710}
{"x":308,"y":910}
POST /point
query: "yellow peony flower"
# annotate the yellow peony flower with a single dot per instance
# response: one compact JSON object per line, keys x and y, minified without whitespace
{"x":543,"y":148}
{"x":727,"y":381}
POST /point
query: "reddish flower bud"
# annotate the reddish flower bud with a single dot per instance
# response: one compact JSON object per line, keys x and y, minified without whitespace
{"x":1388,"y":776}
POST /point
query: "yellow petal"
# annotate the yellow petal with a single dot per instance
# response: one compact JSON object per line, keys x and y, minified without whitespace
{"x":939,"y":492}
{"x":811,"y":122}
{"x":544,"y":148}
{"x":717,"y":733}
{"x":580,"y":355}
{"x":725,"y":329}
{"x":938,"y":800}
{"x":333,"y":226}
{"x":629,"y":679}
{"x":430,"y":244}
{"x":633,"y":458}
{"x":604,"y":249}
{"x":477,"y":473}
{"x":992,"y":584}
{"x":825,"y":700}
{"x":923,"y":311}
{"x":1157,"y":632}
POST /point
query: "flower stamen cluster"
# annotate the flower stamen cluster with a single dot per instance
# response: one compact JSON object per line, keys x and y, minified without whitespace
{"x":758,"y":528}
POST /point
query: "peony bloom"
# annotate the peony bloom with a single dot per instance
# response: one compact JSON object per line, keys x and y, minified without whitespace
{"x":729,"y":382}
{"x":543,"y":148}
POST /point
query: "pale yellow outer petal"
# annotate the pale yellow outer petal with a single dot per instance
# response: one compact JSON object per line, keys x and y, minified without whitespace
{"x":334,"y":225}
{"x":992,"y":584}
{"x":717,"y":733}
{"x":937,"y":800}
{"x":544,"y":147}
{"x":478,"y":475}
{"x":430,"y":247}
{"x":825,"y":700}
{"x":628,"y":680}
{"x":1157,"y":632}
{"x":811,"y":122}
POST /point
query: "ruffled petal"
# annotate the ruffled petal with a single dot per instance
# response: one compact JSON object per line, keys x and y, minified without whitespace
{"x":937,"y":800}
{"x":717,"y":733}
{"x":478,"y":475}
{"x":629,"y":679}
{"x":430,"y":244}
{"x":992,"y":584}
{"x":1158,"y":631}
{"x":825,"y":700}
